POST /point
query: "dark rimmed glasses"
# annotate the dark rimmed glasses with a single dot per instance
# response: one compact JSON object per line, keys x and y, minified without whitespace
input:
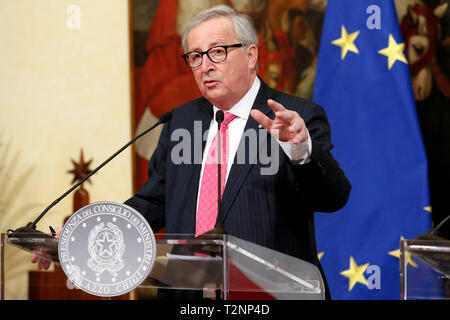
{"x":216,"y":54}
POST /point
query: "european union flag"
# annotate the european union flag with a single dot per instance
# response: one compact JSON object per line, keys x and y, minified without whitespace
{"x":363,"y":83}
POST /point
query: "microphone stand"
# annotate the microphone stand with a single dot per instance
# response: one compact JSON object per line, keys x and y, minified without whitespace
{"x":29,"y":231}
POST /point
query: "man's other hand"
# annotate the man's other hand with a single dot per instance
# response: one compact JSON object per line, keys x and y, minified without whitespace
{"x":43,"y":258}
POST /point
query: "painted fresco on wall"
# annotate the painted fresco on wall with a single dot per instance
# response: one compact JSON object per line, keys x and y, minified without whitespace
{"x":425,"y":27}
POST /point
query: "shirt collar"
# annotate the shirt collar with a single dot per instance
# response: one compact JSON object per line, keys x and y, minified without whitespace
{"x":243,"y":107}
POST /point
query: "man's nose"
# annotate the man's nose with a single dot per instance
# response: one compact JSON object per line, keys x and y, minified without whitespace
{"x":207,"y":64}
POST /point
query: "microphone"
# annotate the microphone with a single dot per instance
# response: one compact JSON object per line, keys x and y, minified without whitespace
{"x":30,"y":229}
{"x":219,"y":117}
{"x":219,"y":228}
{"x":434,"y":233}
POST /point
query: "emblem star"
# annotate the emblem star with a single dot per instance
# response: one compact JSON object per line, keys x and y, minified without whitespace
{"x":346,"y":42}
{"x":394,"y":52}
{"x":396,"y":253}
{"x":355,"y":274}
{"x":320,"y":255}
{"x":106,"y":239}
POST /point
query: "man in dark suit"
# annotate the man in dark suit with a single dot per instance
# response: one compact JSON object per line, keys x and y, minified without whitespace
{"x":270,"y":204}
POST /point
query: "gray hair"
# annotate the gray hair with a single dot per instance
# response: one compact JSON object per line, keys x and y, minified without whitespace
{"x":242,"y":24}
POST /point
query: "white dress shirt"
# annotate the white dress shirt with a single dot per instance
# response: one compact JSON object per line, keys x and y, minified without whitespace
{"x":298,"y":154}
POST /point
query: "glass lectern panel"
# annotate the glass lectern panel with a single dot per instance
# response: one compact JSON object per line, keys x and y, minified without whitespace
{"x":269,"y":274}
{"x":214,"y":267}
{"x":425,"y":269}
{"x":235,"y":268}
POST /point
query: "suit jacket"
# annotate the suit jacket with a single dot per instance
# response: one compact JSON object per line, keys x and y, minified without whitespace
{"x":275,"y":211}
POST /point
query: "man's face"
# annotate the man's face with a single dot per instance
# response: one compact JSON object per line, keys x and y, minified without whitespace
{"x":225,"y":83}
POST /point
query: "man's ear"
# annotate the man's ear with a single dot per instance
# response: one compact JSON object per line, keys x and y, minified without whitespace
{"x":252,"y":56}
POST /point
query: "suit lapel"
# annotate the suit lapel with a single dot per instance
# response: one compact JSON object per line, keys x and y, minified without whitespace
{"x":204,"y":114}
{"x":239,"y":172}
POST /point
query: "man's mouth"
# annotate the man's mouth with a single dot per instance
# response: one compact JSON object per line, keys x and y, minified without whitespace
{"x":209,"y":83}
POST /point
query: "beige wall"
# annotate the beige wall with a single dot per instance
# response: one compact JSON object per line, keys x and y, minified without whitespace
{"x":61,"y":90}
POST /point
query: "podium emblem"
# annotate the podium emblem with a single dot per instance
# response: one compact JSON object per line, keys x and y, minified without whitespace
{"x":107,"y":249}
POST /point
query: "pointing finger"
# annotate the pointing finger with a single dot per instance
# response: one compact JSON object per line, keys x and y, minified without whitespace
{"x":262,"y":119}
{"x":275,"y":106}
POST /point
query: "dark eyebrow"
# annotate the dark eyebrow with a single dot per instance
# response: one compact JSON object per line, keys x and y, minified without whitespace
{"x":214,"y":44}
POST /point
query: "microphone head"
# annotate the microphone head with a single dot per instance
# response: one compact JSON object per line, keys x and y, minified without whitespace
{"x":165,"y":117}
{"x":219,"y":116}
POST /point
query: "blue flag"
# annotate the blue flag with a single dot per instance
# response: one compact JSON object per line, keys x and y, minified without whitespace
{"x":363,"y":83}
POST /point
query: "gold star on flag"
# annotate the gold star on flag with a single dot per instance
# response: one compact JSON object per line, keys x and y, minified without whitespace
{"x":355,"y":274}
{"x":396,"y":253}
{"x":346,"y":42}
{"x":320,"y":255}
{"x":428,"y":208}
{"x":394,"y":52}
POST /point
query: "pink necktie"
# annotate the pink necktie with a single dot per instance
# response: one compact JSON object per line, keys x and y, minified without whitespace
{"x":207,"y":205}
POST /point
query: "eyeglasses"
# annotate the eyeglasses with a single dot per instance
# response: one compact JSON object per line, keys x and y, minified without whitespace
{"x":216,"y":54}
